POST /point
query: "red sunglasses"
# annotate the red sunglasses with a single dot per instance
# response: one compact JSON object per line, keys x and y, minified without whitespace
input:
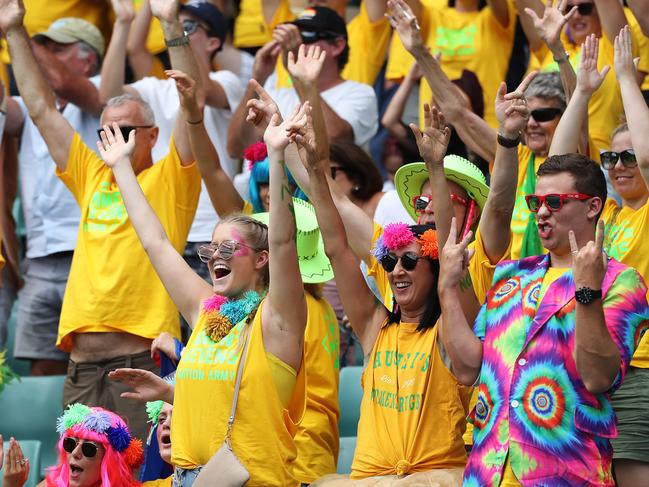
{"x":553,"y":202}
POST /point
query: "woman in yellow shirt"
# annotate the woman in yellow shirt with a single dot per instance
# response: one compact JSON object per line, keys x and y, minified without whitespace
{"x":256,"y":307}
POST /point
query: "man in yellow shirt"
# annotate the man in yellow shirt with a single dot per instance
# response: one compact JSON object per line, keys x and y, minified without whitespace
{"x":114,"y":304}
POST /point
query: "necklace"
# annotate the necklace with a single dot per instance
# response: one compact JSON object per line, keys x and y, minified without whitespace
{"x":223,"y":313}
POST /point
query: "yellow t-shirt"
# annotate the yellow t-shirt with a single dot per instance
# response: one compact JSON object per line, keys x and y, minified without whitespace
{"x":158,"y":482}
{"x":112,"y":285}
{"x":317,"y":434}
{"x":250,"y":28}
{"x":413,"y":409}
{"x":262,"y":435}
{"x":368,"y":44}
{"x":475,"y":41}
{"x":626,"y":240}
{"x":480,"y":269}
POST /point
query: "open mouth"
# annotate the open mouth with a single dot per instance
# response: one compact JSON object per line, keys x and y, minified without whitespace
{"x":75,"y":470}
{"x":544,"y":230}
{"x":221,"y":271}
{"x":165,"y":439}
{"x":402,"y":285}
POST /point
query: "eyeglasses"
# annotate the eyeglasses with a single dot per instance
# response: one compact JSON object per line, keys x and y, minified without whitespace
{"x":226,"y":250}
{"x":88,"y":449}
{"x":553,"y":202}
{"x":190,"y":26}
{"x":126,"y":130}
{"x":545,"y":114}
{"x":311,"y":36}
{"x":421,"y":202}
{"x":584,"y":9}
{"x":610,"y":158}
{"x":408,"y":261}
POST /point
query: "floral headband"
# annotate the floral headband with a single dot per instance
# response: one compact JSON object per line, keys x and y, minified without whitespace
{"x":153,"y":409}
{"x":101,"y":422}
{"x":398,"y":235}
{"x":255,"y":153}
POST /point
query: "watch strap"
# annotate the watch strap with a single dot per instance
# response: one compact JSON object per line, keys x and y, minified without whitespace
{"x":178,"y":41}
{"x":507,"y":142}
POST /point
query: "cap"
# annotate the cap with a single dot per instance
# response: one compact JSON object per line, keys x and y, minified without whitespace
{"x":68,"y":30}
{"x":316,"y":21}
{"x":210,"y":15}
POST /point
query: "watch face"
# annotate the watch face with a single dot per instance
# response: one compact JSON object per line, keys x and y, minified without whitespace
{"x":584,"y":295}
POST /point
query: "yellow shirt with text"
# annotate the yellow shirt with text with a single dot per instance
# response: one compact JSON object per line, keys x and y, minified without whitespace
{"x":626,"y":240}
{"x":475,"y":41}
{"x":112,"y":285}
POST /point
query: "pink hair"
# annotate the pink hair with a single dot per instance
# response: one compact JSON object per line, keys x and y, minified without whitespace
{"x":115,"y":471}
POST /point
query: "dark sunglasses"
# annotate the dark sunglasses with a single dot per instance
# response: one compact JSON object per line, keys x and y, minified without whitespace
{"x":311,"y":36}
{"x":609,"y":158}
{"x":89,"y":450}
{"x":126,"y":130}
{"x":408,"y":261}
{"x":554,"y":202}
{"x":190,"y":26}
{"x":584,"y":9}
{"x":545,"y":114}
{"x":421,"y":202}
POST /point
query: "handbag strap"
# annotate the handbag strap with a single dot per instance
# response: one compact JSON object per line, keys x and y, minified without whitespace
{"x":237,"y":385}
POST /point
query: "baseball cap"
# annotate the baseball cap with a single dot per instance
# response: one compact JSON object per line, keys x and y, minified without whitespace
{"x":68,"y":30}
{"x":319,"y":23}
{"x":209,"y":14}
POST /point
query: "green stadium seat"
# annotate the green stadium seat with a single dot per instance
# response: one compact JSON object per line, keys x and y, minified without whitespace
{"x":350,"y":394}
{"x":32,"y":450}
{"x":346,"y":454}
{"x":20,"y":367}
{"x":29,"y":411}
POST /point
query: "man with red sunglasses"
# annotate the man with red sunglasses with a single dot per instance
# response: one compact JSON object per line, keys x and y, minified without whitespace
{"x":551,"y":343}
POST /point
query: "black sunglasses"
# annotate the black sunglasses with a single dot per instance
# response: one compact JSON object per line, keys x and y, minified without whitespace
{"x":89,"y":450}
{"x":190,"y":26}
{"x":584,"y":9}
{"x":545,"y":114}
{"x":311,"y":36}
{"x":126,"y":130}
{"x":408,"y":261}
{"x":609,"y":158}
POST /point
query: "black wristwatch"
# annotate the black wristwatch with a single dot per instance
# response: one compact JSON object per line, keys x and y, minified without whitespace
{"x":586,"y":295}
{"x":507,"y":142}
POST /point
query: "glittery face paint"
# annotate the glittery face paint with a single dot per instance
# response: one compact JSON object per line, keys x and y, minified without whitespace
{"x":243,"y":249}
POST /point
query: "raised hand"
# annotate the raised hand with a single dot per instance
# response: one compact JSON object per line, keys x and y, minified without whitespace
{"x":17,"y":466}
{"x":303,"y":134}
{"x":12,"y":13}
{"x":112,"y":147}
{"x":589,"y":79}
{"x":454,"y":259}
{"x":405,"y":23}
{"x":590,"y":262}
{"x":624,"y":63}
{"x":165,"y":10}
{"x":511,"y":108}
{"x":288,"y":37}
{"x":187,"y":94}
{"x":145,"y":384}
{"x":164,"y":343}
{"x":307,"y":66}
{"x":432,"y":142}
{"x":278,"y":134}
{"x":550,"y":25}
{"x":262,"y":109}
{"x":124,"y":11}
{"x":265,"y":61}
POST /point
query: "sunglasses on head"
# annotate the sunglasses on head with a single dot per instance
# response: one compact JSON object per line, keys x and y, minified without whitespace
{"x":545,"y":114}
{"x":584,"y":9}
{"x":311,"y":36}
{"x":88,"y":449}
{"x":421,"y":202}
{"x":553,"y":202}
{"x":408,"y":261}
{"x":126,"y":130}
{"x":609,"y":158}
{"x":226,"y":250}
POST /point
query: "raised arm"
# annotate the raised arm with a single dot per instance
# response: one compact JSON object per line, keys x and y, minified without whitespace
{"x":364,"y":312}
{"x":637,"y":113}
{"x":611,"y":17}
{"x":223,"y":195}
{"x":572,"y":132}
{"x":36,"y":93}
{"x":640,"y":9}
{"x":500,"y":11}
{"x":464,"y":348}
{"x":186,"y":288}
{"x":394,"y":112}
{"x":139,"y":57}
{"x":284,"y":316}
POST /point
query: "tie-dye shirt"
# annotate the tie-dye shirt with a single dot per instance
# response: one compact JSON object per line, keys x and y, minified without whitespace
{"x":532,"y":403}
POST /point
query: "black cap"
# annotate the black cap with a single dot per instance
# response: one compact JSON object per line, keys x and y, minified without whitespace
{"x":209,"y":14}
{"x":320,"y":23}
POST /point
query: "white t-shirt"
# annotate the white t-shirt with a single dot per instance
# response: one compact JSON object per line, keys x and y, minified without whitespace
{"x":390,"y":210}
{"x":353,"y":102}
{"x":50,"y":211}
{"x":163,"y":98}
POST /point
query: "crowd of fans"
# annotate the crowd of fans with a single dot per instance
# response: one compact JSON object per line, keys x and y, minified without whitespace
{"x":454,"y":191}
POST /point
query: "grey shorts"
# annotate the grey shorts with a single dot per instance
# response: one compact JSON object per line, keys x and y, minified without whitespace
{"x":7,"y":298}
{"x":39,"y":307}
{"x":631,"y":404}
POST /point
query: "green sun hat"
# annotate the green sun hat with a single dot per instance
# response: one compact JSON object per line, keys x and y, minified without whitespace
{"x":410,"y":178}
{"x":314,"y":263}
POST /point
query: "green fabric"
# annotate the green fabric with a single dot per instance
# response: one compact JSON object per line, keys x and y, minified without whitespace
{"x":531,"y":241}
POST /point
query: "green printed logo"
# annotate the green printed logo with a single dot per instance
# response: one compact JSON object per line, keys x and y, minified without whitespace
{"x":106,"y":210}
{"x":331,"y":340}
{"x":456,"y":42}
{"x":400,"y":360}
{"x":390,"y":400}
{"x":618,"y":239}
